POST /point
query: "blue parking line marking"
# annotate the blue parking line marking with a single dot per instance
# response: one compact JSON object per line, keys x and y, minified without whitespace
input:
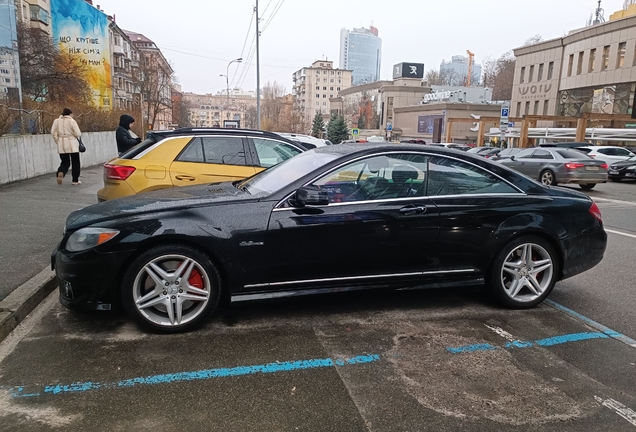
{"x":605,"y":330}
{"x":198,"y":375}
{"x":551,"y":341}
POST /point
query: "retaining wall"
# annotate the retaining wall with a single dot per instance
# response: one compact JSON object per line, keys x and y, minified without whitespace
{"x":26,"y":156}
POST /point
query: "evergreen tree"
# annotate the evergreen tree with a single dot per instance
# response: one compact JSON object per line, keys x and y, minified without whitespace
{"x":330,"y":125}
{"x":362,"y":123}
{"x":339,"y":131}
{"x":318,"y":126}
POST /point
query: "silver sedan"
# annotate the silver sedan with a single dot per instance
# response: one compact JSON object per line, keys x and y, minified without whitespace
{"x":552,"y":166}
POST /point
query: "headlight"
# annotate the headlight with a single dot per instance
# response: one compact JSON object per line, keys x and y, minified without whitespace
{"x":631,"y":168}
{"x":87,"y":238}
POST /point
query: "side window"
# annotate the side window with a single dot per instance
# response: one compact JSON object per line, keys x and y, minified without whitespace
{"x":622,"y":152}
{"x":525,"y":154}
{"x":193,"y":153}
{"x":224,"y":150}
{"x":272,"y":152}
{"x":452,"y":177}
{"x":608,"y":152}
{"x":542,"y":154}
{"x":377,"y":178}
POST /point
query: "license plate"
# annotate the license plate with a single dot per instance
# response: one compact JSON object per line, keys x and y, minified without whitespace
{"x":591,"y":168}
{"x":612,"y":172}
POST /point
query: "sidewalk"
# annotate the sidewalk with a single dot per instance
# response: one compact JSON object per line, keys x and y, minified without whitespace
{"x":32,"y":216}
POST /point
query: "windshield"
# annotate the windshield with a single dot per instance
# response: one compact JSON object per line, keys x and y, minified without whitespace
{"x":279,"y":176}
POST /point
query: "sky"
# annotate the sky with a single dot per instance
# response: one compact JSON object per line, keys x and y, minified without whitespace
{"x":200,"y":37}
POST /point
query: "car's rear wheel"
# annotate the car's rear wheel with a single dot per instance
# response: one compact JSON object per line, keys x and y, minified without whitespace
{"x":524,"y":272}
{"x":587,"y":186}
{"x":171,"y":288}
{"x":548,"y":178}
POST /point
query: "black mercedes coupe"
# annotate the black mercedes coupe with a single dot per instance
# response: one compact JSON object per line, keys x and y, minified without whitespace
{"x":352,"y":216}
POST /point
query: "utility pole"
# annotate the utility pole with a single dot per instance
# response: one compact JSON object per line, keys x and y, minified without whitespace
{"x":258,"y":72}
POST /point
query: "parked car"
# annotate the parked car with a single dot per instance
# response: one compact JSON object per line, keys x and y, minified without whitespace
{"x":390,"y":215}
{"x":189,"y":156}
{"x":447,"y":145}
{"x":552,"y":166}
{"x":506,"y":153}
{"x":307,"y":141}
{"x":489,"y":153}
{"x":623,"y":170}
{"x":609,"y":154}
{"x":477,"y":150}
{"x":565,"y":144}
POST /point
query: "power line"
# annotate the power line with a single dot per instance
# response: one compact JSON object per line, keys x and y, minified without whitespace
{"x":249,"y":30}
{"x":276,"y":9}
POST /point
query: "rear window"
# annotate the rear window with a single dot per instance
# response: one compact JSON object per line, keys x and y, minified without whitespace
{"x":572,"y":154}
{"x":141,"y":147}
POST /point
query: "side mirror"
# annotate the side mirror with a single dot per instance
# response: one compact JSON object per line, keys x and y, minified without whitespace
{"x":310,"y":196}
{"x":512,"y":157}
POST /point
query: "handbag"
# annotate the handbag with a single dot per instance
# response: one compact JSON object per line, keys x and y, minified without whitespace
{"x":82,"y":148}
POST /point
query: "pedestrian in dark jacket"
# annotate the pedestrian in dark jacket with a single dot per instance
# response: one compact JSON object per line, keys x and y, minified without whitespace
{"x":126,"y":139}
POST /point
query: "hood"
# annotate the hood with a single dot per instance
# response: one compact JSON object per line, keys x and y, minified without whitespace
{"x":125,"y":121}
{"x":157,"y":201}
{"x":625,"y":163}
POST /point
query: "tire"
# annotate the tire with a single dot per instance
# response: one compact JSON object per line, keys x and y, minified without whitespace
{"x":157,"y":296}
{"x":587,"y":186}
{"x":548,"y":178}
{"x":615,"y":179}
{"x":535,"y":282}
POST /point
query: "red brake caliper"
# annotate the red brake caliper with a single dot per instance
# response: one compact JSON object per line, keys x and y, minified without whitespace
{"x":195,"y":279}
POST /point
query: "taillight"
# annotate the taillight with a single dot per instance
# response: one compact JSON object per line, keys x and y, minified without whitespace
{"x":596,"y":212}
{"x":604,"y":166}
{"x":118,"y":172}
{"x":571,"y":165}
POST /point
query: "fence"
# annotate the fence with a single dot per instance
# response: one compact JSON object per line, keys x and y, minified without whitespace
{"x":27,"y":156}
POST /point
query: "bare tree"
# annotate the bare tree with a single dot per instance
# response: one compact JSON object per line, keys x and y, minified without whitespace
{"x":272,"y":106}
{"x":433,"y":77}
{"x":533,"y":40}
{"x":153,"y":80}
{"x":499,"y":75}
{"x":48,"y":74}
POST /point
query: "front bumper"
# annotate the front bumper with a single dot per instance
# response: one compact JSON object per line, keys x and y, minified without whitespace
{"x":622,"y":174}
{"x":89,"y":280}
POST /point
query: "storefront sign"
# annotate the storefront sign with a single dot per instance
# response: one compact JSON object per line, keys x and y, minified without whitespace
{"x":438,"y":96}
{"x":535,"y":91}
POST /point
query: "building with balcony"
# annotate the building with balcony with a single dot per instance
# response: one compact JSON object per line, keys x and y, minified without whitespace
{"x":591,"y":70}
{"x":316,"y":85}
{"x":361,"y":52}
{"x":125,"y":69}
{"x":207,"y":110}
{"x":9,"y":56}
{"x":37,"y":13}
{"x":154,"y":82}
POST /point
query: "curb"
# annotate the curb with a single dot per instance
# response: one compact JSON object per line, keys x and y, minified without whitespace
{"x":17,"y":305}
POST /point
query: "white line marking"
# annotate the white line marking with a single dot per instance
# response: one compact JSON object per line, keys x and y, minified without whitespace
{"x":629,"y":203}
{"x":501,"y":332}
{"x":620,"y":233}
{"x":627,"y":413}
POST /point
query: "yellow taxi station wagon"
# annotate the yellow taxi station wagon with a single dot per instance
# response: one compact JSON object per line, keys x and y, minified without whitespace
{"x":190,"y":156}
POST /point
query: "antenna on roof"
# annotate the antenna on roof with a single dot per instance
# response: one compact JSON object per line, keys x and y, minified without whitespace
{"x":599,"y":14}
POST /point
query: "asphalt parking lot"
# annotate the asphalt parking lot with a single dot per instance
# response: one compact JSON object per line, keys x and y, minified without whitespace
{"x":368,"y":361}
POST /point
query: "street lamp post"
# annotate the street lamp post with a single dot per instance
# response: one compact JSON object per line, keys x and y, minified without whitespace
{"x":227,"y":82}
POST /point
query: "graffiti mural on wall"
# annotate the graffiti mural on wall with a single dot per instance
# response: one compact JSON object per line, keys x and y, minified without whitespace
{"x":81,"y":30}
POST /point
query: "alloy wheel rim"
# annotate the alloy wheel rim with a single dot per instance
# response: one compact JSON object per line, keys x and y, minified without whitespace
{"x":547,"y":178}
{"x":171,"y":290}
{"x":527,"y":272}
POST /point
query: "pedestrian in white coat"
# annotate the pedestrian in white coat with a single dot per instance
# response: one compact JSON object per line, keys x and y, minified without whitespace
{"x":66,"y":134}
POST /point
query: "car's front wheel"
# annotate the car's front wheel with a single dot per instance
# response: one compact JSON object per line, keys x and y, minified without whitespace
{"x":524,"y":272}
{"x":171,"y":288}
{"x":548,"y":178}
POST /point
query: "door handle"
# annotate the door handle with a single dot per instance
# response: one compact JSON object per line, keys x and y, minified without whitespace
{"x":185,"y":178}
{"x":413,"y":209}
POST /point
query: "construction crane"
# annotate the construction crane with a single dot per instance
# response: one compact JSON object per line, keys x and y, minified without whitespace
{"x":471,"y":58}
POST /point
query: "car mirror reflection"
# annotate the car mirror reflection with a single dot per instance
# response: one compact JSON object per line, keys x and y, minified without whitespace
{"x":310,"y":196}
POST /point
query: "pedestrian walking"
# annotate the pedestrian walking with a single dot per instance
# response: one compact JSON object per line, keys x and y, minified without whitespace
{"x":126,"y":139}
{"x":66,"y":134}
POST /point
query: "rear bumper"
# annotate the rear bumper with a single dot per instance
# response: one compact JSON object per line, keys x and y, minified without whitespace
{"x":114,"y":189}
{"x":584,"y":251}
{"x":582,"y":177}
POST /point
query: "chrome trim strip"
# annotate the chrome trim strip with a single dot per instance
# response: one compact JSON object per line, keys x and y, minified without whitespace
{"x":352,"y":278}
{"x":280,"y":203}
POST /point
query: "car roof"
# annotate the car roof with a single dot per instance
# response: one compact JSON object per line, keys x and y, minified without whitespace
{"x":212,"y":131}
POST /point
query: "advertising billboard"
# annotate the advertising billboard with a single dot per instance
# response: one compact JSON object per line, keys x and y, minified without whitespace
{"x":426,"y":123}
{"x":81,"y":30}
{"x":408,"y":70}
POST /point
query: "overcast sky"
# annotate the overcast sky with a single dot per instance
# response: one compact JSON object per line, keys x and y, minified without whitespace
{"x":200,"y":37}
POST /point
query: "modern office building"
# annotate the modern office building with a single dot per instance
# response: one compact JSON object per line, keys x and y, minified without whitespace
{"x":591,"y":70}
{"x":361,"y":52}
{"x":456,"y":71}
{"x":315,"y":85}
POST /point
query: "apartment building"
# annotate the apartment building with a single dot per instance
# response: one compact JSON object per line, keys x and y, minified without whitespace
{"x":154,"y":84}
{"x":37,"y":13}
{"x":315,"y":85}
{"x":591,"y":70}
{"x":125,"y":69}
{"x":9,"y":56}
{"x":207,"y":110}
